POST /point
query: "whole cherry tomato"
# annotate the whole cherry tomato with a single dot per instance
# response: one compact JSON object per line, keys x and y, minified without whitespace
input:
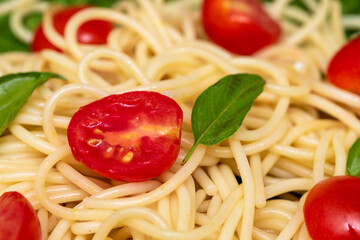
{"x":18,"y":220}
{"x":91,"y":32}
{"x":344,"y":68}
{"x":130,"y":137}
{"x":332,"y":209}
{"x":240,"y":26}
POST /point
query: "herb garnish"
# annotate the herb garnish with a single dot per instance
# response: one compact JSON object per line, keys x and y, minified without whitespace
{"x":15,"y":90}
{"x":353,"y":159}
{"x":220,"y":110}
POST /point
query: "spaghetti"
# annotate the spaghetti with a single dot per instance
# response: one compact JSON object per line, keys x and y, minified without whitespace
{"x":251,"y":186}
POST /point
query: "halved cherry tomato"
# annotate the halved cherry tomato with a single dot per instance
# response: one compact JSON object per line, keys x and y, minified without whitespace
{"x":240,"y":26}
{"x":130,"y":137}
{"x":18,"y":220}
{"x":332,"y":209}
{"x":344,"y":68}
{"x":92,"y":32}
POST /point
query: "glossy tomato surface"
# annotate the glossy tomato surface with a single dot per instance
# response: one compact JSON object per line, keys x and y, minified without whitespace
{"x":130,"y":137}
{"x":91,"y":32}
{"x":240,"y":26}
{"x":344,"y":68}
{"x":18,"y":220}
{"x":332,"y":209}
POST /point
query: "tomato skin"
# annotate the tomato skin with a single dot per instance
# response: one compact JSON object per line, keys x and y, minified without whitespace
{"x":91,"y":32}
{"x":332,"y":209}
{"x":240,"y":26}
{"x":18,"y":220}
{"x":129,"y":137}
{"x":344,"y":68}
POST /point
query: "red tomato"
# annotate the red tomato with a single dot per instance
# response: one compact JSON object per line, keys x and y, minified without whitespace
{"x":344,"y":68}
{"x":130,"y":137}
{"x":18,"y":220}
{"x":332,"y":209}
{"x":92,"y":32}
{"x":240,"y":26}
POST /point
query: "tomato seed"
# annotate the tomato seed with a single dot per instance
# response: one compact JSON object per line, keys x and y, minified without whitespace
{"x":94,"y":142}
{"x":128,"y":157}
{"x":98,"y":131}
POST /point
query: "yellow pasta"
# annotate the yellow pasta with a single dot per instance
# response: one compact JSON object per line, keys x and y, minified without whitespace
{"x":242,"y":188}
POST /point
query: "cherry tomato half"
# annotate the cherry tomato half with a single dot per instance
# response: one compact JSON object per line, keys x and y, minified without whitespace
{"x":240,"y":26}
{"x":344,"y":68}
{"x":91,"y":32}
{"x":18,"y":220}
{"x":332,"y":209}
{"x":130,"y":137}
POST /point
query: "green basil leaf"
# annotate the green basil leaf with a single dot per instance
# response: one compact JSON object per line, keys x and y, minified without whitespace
{"x":15,"y":90}
{"x":353,"y":159}
{"x":220,"y":110}
{"x":8,"y":41}
{"x":32,"y":20}
{"x":350,"y":6}
{"x":99,"y":3}
{"x":103,"y":3}
{"x":67,"y":2}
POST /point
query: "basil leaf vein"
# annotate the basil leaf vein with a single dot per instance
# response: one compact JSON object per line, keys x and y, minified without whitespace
{"x":220,"y":110}
{"x":15,"y":90}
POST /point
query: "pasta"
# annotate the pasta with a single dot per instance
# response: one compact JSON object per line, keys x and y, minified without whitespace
{"x":250,"y":186}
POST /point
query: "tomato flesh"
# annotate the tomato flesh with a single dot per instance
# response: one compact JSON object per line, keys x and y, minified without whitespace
{"x":240,"y":26}
{"x":91,"y":32}
{"x":18,"y":220}
{"x":344,"y":68}
{"x":130,"y":137}
{"x":332,"y":209}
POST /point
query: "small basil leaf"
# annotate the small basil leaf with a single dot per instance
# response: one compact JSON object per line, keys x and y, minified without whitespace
{"x":32,"y":20}
{"x":8,"y":41}
{"x":15,"y":90}
{"x":68,"y":2}
{"x":99,"y":3}
{"x":353,"y":159}
{"x":102,"y":3}
{"x":350,"y":6}
{"x":220,"y":110}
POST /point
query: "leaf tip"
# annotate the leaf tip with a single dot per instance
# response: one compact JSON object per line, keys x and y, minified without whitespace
{"x":59,"y":76}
